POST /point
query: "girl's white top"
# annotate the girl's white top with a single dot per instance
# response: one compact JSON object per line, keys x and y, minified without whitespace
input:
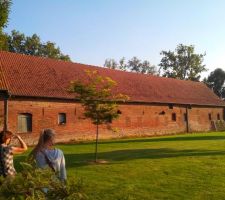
{"x":57,"y":159}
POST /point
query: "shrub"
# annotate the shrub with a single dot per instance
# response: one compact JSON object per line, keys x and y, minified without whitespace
{"x":39,"y":184}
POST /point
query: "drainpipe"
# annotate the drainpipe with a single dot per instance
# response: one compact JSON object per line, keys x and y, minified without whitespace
{"x":187,"y":120}
{"x":5,"y":95}
{"x":224,"y":113}
{"x":5,"y":114}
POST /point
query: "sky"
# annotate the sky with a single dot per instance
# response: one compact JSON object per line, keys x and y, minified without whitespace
{"x":92,"y":30}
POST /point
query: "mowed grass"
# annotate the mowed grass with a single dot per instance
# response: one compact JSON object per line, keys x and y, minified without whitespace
{"x":189,"y":166}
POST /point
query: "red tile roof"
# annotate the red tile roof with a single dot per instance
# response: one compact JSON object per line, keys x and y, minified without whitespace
{"x":24,"y":75}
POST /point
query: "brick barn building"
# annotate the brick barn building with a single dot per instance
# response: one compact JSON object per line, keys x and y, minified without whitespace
{"x":35,"y":96}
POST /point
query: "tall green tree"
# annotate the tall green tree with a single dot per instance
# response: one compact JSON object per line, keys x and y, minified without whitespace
{"x":4,"y":15}
{"x":111,"y":64}
{"x":4,"y":12}
{"x":19,"y":43}
{"x":183,"y":63}
{"x":216,"y":81}
{"x":98,"y":99}
{"x":143,"y":67}
{"x":132,"y":65}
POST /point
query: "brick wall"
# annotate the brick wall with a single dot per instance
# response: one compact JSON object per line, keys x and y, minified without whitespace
{"x":135,"y":120}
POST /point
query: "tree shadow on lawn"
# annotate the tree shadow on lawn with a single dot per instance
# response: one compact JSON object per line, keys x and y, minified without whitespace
{"x":78,"y":160}
{"x":166,"y":139}
{"x":82,"y":159}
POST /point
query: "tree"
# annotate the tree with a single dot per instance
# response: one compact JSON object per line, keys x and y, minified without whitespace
{"x":19,"y":43}
{"x":133,"y":65}
{"x":216,"y":81}
{"x":136,"y":65}
{"x":111,"y":64}
{"x":4,"y":13}
{"x":98,"y":100}
{"x":182,"y":64}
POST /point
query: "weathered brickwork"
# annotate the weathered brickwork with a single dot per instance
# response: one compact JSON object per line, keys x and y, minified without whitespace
{"x":135,"y":120}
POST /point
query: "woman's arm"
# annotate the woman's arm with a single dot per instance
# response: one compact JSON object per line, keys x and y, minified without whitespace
{"x":62,"y":172}
{"x":22,"y":148}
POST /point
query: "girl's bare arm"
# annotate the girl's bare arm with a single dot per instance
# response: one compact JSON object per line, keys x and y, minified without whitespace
{"x":22,"y":148}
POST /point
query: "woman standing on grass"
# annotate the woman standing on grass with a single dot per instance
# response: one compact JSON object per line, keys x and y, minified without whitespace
{"x":46,"y":155}
{"x":7,"y":151}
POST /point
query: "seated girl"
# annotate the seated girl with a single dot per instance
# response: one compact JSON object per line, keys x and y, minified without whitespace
{"x":46,"y":155}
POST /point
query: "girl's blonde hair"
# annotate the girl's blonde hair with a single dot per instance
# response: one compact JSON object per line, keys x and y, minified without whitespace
{"x":46,"y":135}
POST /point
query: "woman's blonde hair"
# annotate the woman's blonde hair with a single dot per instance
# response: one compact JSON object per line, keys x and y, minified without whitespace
{"x":46,"y":135}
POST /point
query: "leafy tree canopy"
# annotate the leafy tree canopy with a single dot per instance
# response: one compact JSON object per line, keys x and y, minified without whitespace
{"x":183,"y":63}
{"x":216,"y":81}
{"x":96,"y":95}
{"x":19,"y":43}
{"x":4,"y":12}
{"x":132,"y":65}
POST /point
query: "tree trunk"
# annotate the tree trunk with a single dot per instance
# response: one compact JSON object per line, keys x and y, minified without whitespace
{"x":96,"y":144}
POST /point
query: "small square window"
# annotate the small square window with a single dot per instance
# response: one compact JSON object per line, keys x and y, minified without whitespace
{"x":170,"y":106}
{"x":162,"y":113}
{"x":119,"y":112}
{"x":210,"y":116}
{"x":62,"y":118}
{"x":174,"y":117}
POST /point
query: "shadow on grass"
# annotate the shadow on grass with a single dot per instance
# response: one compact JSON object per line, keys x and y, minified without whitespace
{"x":167,"y":139}
{"x":78,"y":160}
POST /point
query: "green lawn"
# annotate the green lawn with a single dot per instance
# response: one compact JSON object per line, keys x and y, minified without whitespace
{"x":173,"y":167}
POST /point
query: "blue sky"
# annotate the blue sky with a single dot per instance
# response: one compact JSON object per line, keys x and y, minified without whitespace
{"x":92,"y":30}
